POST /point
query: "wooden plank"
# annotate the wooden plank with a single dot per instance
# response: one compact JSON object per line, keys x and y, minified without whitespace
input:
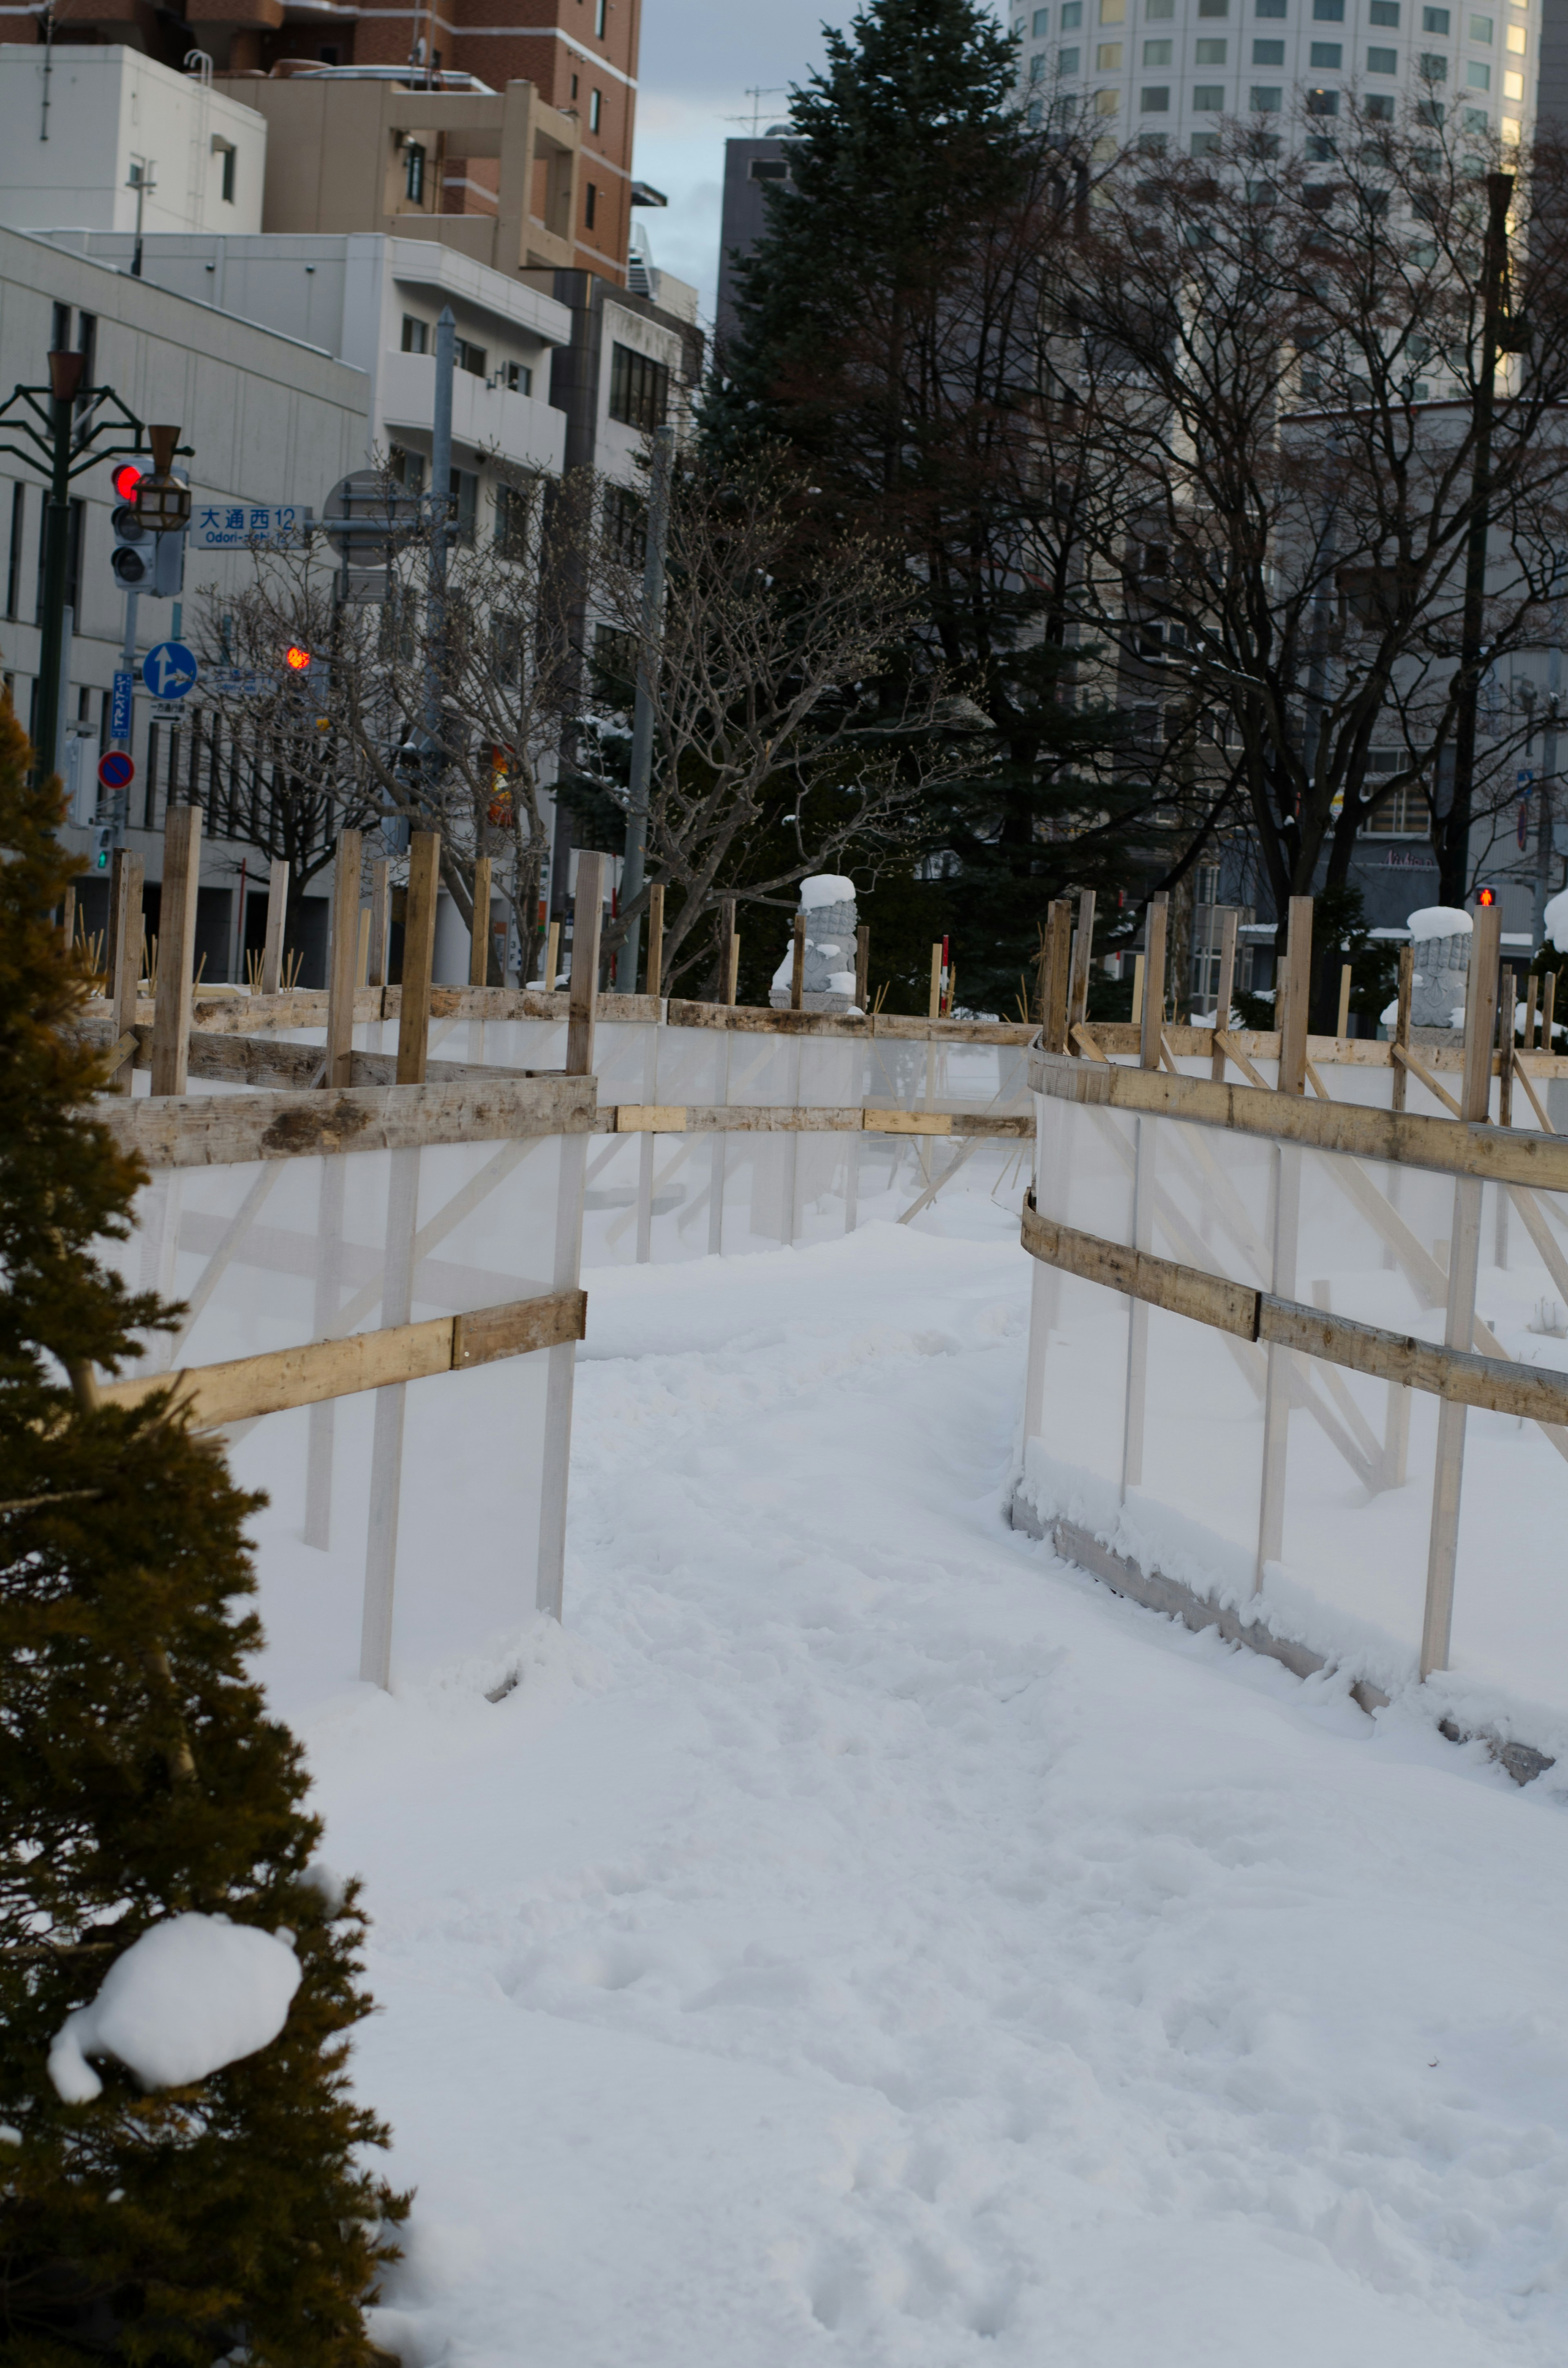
{"x":1087,"y":1044}
{"x":1407,"y":1061}
{"x":587,"y":923}
{"x":1342,"y":1027}
{"x":343,"y":947}
{"x":551,"y":957}
{"x":922,"y":1121}
{"x":277,"y":922}
{"x":1481,"y":1015}
{"x":380,"y":921}
{"x":1298,"y":987}
{"x":177,"y":948}
{"x":654,"y":983}
{"x":1057,"y":976}
{"x":1227,"y":1047}
{"x":726,"y":948}
{"x":1522,"y":1072}
{"x":862,"y":968}
{"x":479,"y":929}
{"x":798,"y":964}
{"x":126,"y":880}
{"x":1535,"y":1393}
{"x":934,"y":1010}
{"x":1082,"y":963}
{"x":219,"y":1130}
{"x":1402,"y":1024}
{"x":244,"y":1388}
{"x":1503,"y":1157}
{"x":1227,"y":988}
{"x":1505,"y":1047}
{"x":1152,"y":1017}
{"x":418,"y":956}
{"x":649,"y":1118}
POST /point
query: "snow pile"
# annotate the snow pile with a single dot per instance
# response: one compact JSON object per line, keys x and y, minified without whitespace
{"x":825,"y":888}
{"x":1555,"y":919}
{"x":1438,"y":921}
{"x":190,"y":1995}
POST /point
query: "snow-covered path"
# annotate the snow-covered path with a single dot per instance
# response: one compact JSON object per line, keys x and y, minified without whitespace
{"x":857,"y":1938}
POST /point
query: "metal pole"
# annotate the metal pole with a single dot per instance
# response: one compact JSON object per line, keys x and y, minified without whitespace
{"x":440,"y":506}
{"x":120,"y":800}
{"x":1454,"y":852}
{"x":643,"y":711}
{"x":67,"y":635}
{"x":1545,"y":846}
{"x":65,"y":378}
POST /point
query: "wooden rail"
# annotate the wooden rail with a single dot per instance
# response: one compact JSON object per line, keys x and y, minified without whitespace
{"x":1535,"y":1393}
{"x":218,"y":1130}
{"x":246,"y":1387}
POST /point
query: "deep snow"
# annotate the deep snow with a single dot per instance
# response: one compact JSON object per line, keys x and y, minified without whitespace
{"x":856,"y":1938}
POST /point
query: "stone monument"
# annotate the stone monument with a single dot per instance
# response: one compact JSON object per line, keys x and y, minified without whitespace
{"x":827,"y":901}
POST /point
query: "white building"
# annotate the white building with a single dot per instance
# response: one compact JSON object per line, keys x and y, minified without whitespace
{"x":84,"y":129}
{"x":1165,"y":72}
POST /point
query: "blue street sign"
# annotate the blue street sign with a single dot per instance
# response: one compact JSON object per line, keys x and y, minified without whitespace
{"x":119,"y":708}
{"x":245,"y":526}
{"x":1524,"y":781}
{"x":169,"y":670}
{"x":116,"y":770}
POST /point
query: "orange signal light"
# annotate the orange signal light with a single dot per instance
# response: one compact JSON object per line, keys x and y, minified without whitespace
{"x":296,"y":659}
{"x":1486,"y":896}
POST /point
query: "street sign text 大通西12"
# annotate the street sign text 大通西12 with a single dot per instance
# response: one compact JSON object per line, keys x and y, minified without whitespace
{"x":237,"y":526}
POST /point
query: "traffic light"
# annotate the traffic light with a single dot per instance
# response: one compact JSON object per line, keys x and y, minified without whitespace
{"x":1485,"y":896}
{"x":103,"y":845}
{"x":133,"y":555}
{"x":297,"y":659}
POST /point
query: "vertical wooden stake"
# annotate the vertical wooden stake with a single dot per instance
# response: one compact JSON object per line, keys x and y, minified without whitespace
{"x":733,"y":980}
{"x":587,"y":924}
{"x":1297,"y":986}
{"x":1229,"y":922}
{"x":936,"y":1011}
{"x":362,"y":957}
{"x":1342,"y":1026}
{"x":551,"y":957}
{"x":726,"y":950}
{"x":381,"y":920}
{"x":1531,"y":989}
{"x":125,"y":961}
{"x":419,"y":955}
{"x":1058,"y":975}
{"x":1138,"y":966}
{"x":1083,"y":960}
{"x":1505,"y":1056}
{"x":343,"y":947}
{"x":862,"y":965}
{"x":177,"y":948}
{"x":68,"y":916}
{"x":479,"y":935}
{"x":1401,"y":1022}
{"x":277,"y":921}
{"x":1481,"y":1016}
{"x":1153,"y":1010}
{"x":1548,"y":1026}
{"x":655,"y":985}
{"x":798,"y":966}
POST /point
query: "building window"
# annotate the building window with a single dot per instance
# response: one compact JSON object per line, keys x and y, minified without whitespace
{"x":1382,"y":62}
{"x":1513,"y":85}
{"x":1431,"y":67}
{"x":1158,"y":53}
{"x":413,"y":172}
{"x":590,"y":205}
{"x":596,"y":110}
{"x":1071,"y":16}
{"x":472,"y":359}
{"x":514,"y":516}
{"x":1479,"y":78}
{"x":1481,"y":29}
{"x":1106,"y":102}
{"x":600,"y":12}
{"x":638,"y":388}
{"x":1040,"y":24}
{"x":1322,"y":102}
{"x":1269,"y":8}
{"x":407,"y":470}
{"x":1384,"y":12}
{"x":626,"y":525}
{"x":465,"y":504}
{"x":1516,"y":39}
{"x":1157,"y":101}
{"x":1434,"y":21}
{"x":1268,"y":54}
{"x":1326,"y":53}
{"x":1211,"y":54}
{"x":1205,"y":143}
{"x":1067,"y":61}
{"x":1378,"y":109}
{"x":224,"y":151}
{"x":1266,"y":98}
{"x":1208,"y":98}
{"x":415,"y":335}
{"x":517,"y":378}
{"x":1108,"y":58}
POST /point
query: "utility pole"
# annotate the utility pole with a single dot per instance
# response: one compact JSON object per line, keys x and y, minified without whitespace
{"x":635,"y":863}
{"x":440,"y":510}
{"x":144,"y":181}
{"x":1454,"y":847}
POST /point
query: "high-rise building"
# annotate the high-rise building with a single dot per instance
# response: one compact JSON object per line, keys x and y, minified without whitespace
{"x":751,"y":168}
{"x":1165,"y":73}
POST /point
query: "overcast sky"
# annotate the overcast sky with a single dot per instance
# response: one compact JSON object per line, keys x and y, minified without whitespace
{"x":698,"y":57}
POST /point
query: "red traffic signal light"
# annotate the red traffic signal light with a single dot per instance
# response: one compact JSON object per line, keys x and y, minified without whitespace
{"x":127,"y":477}
{"x":296,"y":659}
{"x":1484,"y":896}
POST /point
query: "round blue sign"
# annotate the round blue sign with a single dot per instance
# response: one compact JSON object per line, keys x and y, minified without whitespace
{"x":116,"y":770}
{"x":169,"y":670}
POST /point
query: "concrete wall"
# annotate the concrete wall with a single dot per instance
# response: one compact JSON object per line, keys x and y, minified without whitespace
{"x":108,"y":109}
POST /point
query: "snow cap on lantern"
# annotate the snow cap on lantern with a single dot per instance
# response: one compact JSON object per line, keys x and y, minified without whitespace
{"x":1440,"y":936}
{"x":827,"y":902}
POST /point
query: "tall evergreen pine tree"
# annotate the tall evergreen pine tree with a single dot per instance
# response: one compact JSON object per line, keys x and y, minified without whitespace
{"x":888,"y":326}
{"x":140,"y":1778}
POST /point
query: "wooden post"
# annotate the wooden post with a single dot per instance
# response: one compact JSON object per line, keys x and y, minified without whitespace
{"x":726,"y":948}
{"x":1506,"y":1056}
{"x":419,"y":955}
{"x":1230,"y":921}
{"x":1298,"y":987}
{"x":1458,"y":1322}
{"x":1532,"y":990}
{"x":1548,"y":1026}
{"x":936,"y":1011}
{"x":277,"y":921}
{"x":124,"y":954}
{"x":1058,"y":975}
{"x":1342,"y":1026}
{"x":1401,"y":1022}
{"x":1083,"y":959}
{"x":733,"y":983}
{"x":177,"y":948}
{"x":381,"y":920}
{"x":798,"y":966}
{"x":1138,"y":967}
{"x":551,"y":956}
{"x":655,"y":985}
{"x":479,"y":933}
{"x":343,"y":945}
{"x":1153,"y":1010}
{"x":587,"y":924}
{"x":862,"y":966}
{"x":68,"y":916}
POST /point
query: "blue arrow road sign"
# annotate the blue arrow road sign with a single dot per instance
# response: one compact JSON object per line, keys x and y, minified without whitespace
{"x":120,"y":709}
{"x":169,"y":670}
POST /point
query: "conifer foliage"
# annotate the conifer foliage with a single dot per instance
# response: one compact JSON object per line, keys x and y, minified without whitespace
{"x":141,"y":1779}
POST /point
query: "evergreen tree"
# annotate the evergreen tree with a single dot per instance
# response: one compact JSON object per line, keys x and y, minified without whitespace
{"x":140,"y":1777}
{"x":890,"y":321}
